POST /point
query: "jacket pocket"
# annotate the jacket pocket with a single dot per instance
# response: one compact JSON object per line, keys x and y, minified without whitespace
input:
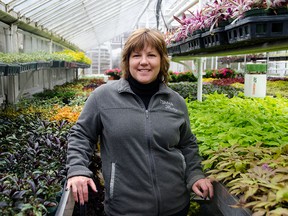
{"x":183,"y":160}
{"x":112,"y":180}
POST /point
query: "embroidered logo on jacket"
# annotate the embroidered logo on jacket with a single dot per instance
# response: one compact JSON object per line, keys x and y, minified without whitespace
{"x":168,"y":105}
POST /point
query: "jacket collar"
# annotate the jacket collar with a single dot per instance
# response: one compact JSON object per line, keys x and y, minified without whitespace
{"x":124,"y":86}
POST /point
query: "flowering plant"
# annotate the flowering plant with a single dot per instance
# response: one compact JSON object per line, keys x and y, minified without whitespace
{"x":220,"y":73}
{"x":186,"y":76}
{"x":115,"y":72}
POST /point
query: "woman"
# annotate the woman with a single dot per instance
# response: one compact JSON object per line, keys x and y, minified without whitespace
{"x":150,"y":159}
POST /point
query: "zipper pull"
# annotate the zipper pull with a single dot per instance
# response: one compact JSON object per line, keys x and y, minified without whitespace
{"x":147,"y":113}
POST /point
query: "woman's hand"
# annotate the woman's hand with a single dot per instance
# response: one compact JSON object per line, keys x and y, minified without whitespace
{"x":79,"y":185}
{"x":203,"y":188}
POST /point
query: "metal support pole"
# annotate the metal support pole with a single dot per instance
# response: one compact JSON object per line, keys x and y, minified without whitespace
{"x":99,"y":59}
{"x":199,"y":80}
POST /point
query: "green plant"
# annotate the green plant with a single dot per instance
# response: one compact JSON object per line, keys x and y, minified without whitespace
{"x":40,"y":56}
{"x":222,"y":122}
{"x":189,"y":90}
{"x":33,"y":152}
{"x":277,"y":87}
{"x":256,"y":68}
{"x":256,"y":174}
{"x":32,"y":209}
{"x":187,"y":76}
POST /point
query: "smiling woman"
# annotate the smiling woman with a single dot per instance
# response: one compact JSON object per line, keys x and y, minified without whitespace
{"x":146,"y":50}
{"x":141,"y":152}
{"x":145,"y":64}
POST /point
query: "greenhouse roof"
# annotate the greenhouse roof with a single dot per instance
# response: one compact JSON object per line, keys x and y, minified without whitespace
{"x":89,"y":23}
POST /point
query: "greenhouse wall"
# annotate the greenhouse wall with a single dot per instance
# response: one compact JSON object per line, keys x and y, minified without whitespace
{"x":13,"y":39}
{"x":27,"y":83}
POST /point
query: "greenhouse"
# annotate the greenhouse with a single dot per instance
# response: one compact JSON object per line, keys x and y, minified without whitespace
{"x":161,"y":108}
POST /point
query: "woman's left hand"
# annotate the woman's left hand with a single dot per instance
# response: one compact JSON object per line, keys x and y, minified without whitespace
{"x":203,"y":188}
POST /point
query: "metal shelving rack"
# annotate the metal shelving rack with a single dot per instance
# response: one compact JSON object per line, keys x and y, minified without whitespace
{"x":268,"y":46}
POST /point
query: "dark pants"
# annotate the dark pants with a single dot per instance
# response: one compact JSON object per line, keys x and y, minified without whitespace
{"x":183,"y":212}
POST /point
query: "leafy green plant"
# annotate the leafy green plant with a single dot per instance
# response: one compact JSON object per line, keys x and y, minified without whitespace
{"x":256,"y":68}
{"x":33,"y":151}
{"x":221,"y":122}
{"x":256,"y":174}
{"x":182,"y":77}
{"x":189,"y":90}
{"x":277,"y":87}
{"x":40,"y":56}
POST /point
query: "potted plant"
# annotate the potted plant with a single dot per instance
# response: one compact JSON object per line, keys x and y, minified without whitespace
{"x":239,"y":7}
{"x":218,"y":13}
{"x":114,"y":74}
{"x":258,"y":8}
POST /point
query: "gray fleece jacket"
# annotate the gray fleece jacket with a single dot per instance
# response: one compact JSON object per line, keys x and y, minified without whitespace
{"x":149,"y":157}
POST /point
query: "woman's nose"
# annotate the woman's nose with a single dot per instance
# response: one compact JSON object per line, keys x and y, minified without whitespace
{"x":144,"y":60}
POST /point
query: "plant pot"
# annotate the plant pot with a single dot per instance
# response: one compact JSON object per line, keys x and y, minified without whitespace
{"x":174,"y":48}
{"x":192,"y":43}
{"x":113,"y":78}
{"x":3,"y":69}
{"x":223,"y":23}
{"x":278,"y":11}
{"x":256,"y":29}
{"x":13,"y":69}
{"x":51,"y":207}
{"x":215,"y":38}
{"x":256,"y":12}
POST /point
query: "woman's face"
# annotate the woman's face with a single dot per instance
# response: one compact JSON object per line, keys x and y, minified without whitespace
{"x":144,"y":65}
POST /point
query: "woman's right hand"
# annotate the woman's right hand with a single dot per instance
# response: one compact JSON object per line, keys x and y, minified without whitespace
{"x":79,"y":187}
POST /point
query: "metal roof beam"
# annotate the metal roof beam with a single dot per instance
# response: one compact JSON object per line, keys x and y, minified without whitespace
{"x":99,"y":21}
{"x":79,"y":21}
{"x":47,"y":10}
{"x":68,"y":18}
{"x":11,"y":5}
{"x":32,"y":7}
{"x":55,"y":15}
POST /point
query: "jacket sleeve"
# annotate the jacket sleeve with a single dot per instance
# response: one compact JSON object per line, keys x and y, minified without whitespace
{"x":83,"y":138}
{"x":189,"y":147}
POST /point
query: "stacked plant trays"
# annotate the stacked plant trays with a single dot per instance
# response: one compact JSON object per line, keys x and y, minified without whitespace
{"x":256,"y":29}
{"x":215,"y":39}
{"x":174,"y":48}
{"x":248,"y":31}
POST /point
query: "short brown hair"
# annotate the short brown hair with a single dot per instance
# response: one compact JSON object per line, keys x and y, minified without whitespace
{"x":136,"y":41}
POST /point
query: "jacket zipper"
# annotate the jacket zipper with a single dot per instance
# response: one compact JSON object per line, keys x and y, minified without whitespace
{"x":152,"y":164}
{"x":153,"y":170}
